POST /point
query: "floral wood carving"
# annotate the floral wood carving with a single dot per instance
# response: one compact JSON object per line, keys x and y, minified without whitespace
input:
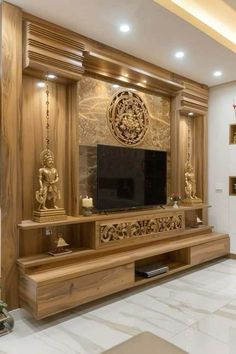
{"x":140,"y":228}
{"x":128,"y":118}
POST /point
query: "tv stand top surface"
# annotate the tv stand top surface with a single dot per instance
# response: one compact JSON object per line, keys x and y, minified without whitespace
{"x":30,"y":225}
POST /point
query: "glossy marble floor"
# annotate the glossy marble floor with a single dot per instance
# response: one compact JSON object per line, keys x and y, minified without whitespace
{"x":196,"y":311}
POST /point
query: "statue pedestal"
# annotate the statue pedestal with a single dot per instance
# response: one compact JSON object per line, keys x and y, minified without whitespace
{"x":49,"y":215}
{"x":191,"y":201}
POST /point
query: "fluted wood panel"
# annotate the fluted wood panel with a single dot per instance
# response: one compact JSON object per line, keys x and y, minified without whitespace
{"x":194,"y":98}
{"x":46,"y":49}
{"x":11,"y":90}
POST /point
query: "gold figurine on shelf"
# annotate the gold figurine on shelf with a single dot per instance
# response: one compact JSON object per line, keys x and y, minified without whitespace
{"x":48,"y":193}
{"x":190,"y":185}
{"x":189,"y":176}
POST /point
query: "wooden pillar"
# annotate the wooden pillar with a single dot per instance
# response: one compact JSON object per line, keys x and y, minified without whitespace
{"x":175,"y":143}
{"x":72,"y":163}
{"x":11,"y":190}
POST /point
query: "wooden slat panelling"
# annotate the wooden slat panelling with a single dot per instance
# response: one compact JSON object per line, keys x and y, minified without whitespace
{"x":48,"y":50}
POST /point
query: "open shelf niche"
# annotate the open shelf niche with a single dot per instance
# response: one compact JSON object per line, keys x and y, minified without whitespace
{"x":232,"y":134}
{"x":232,"y":185}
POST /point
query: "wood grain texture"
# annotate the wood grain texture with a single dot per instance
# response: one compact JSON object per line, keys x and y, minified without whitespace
{"x":208,"y":251}
{"x":53,"y":51}
{"x":33,"y":137}
{"x":11,"y":191}
{"x":59,"y":288}
{"x":72,"y":151}
{"x":57,"y":297}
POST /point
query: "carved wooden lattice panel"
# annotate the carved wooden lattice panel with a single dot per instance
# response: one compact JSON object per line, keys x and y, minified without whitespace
{"x":139,"y":228}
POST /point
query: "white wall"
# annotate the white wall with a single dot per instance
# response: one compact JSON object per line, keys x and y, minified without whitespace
{"x":222,"y":160}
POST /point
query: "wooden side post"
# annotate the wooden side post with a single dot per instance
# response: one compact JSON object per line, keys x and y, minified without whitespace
{"x":11,"y":195}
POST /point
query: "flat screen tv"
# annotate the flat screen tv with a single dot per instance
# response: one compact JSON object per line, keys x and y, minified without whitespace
{"x":130,"y":177}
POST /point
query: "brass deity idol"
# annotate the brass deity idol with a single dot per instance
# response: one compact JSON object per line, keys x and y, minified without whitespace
{"x":190,"y":185}
{"x":48,"y":193}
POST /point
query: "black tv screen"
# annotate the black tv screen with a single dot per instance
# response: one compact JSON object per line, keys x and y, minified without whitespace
{"x":130,"y":177}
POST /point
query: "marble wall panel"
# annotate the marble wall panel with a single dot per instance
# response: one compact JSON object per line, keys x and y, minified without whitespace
{"x":94,"y":98}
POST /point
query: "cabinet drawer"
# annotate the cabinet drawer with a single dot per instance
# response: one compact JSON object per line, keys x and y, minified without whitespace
{"x":65,"y":294}
{"x":210,"y":250}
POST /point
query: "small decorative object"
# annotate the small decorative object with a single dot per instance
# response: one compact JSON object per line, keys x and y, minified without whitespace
{"x":87,"y":206}
{"x":48,"y":193}
{"x":175,"y":198}
{"x":128,"y":118}
{"x":190,"y":182}
{"x":60,"y":246}
{"x":6,"y":320}
{"x":234,"y":107}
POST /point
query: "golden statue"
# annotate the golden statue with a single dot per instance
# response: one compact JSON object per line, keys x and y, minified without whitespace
{"x":48,"y":193}
{"x":190,"y":185}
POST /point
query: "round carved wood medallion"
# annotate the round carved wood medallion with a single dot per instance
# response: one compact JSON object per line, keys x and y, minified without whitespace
{"x":128,"y":118}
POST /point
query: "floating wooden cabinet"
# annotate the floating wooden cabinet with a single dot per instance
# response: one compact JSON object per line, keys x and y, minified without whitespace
{"x":232,"y":185}
{"x":232,"y":134}
{"x":208,"y":251}
{"x":106,"y":251}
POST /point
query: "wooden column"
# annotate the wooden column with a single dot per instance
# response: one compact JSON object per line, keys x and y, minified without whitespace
{"x":72,"y":163}
{"x":11,"y":189}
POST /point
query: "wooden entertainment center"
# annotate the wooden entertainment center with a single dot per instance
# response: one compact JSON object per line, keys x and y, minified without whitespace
{"x":106,"y":248}
{"x":104,"y":262}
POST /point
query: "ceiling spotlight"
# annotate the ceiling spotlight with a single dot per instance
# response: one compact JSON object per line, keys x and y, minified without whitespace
{"x":139,"y":84}
{"x":179,"y":55}
{"x":126,"y":75}
{"x":124,"y":28}
{"x":41,"y":84}
{"x":51,"y":76}
{"x":217,"y":73}
{"x":115,"y":86}
{"x":190,"y":114}
{"x":144,"y":81}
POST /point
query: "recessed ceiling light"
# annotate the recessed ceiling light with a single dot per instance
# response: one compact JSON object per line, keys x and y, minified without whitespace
{"x":126,"y":75}
{"x":115,"y":86}
{"x":217,"y":73}
{"x":179,"y":55}
{"x":124,"y":28}
{"x":41,"y":84}
{"x":51,"y":76}
{"x":144,"y":81}
{"x":190,"y":113}
{"x":139,"y":84}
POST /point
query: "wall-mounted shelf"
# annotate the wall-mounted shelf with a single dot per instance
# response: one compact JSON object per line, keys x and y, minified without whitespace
{"x":232,"y":185}
{"x":232,"y":134}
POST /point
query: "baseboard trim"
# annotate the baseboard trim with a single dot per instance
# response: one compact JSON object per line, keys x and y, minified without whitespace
{"x":232,"y":255}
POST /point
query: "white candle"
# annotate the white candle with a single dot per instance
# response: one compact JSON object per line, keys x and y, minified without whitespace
{"x":87,"y":202}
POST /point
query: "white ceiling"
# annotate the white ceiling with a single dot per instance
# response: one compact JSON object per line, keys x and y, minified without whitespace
{"x":156,"y":34}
